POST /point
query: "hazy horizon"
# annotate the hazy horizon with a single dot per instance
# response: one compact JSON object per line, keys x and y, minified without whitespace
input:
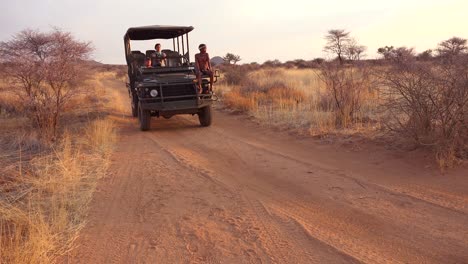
{"x":255,"y":30}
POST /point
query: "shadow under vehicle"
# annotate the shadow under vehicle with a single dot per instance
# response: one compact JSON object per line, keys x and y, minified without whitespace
{"x":170,"y":89}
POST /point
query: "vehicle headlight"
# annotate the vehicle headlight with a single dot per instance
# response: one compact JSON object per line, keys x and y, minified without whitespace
{"x":154,"y":93}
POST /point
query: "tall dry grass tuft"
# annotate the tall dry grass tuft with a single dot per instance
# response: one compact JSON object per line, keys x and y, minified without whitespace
{"x":236,"y":100}
{"x":43,"y":210}
{"x":9,"y":105}
{"x":100,"y":136}
{"x":348,"y":87}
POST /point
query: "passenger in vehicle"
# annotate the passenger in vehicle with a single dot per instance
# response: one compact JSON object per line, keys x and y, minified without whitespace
{"x":203,"y":67}
{"x":158,"y":58}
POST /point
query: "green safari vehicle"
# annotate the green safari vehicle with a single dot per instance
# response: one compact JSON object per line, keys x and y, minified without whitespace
{"x":168,"y":90}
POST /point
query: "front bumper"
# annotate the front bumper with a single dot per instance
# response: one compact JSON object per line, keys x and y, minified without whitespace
{"x":198,"y":102}
{"x":173,"y":96}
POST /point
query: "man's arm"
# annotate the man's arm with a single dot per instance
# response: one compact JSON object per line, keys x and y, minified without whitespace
{"x":197,"y":66}
{"x":209,"y":61}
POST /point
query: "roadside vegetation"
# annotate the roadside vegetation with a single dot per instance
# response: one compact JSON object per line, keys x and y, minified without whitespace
{"x":403,"y":98}
{"x":58,"y":118}
{"x":56,"y":138}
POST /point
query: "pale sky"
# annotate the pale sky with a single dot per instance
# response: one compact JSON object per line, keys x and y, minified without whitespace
{"x":257,"y":30}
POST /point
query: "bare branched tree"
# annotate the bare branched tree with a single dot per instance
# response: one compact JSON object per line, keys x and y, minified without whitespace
{"x":45,"y":71}
{"x":337,"y":41}
{"x":429,"y":103}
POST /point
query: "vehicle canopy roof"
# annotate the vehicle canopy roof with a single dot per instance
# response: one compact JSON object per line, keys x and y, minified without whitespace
{"x":156,"y":32}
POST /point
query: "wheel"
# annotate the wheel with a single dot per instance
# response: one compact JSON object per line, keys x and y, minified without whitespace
{"x":134,"y":105}
{"x":204,"y":115}
{"x":144,"y":117}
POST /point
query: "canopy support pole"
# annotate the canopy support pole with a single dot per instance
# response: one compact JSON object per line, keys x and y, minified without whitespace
{"x":188,"y":48}
{"x":178,"y":46}
{"x":183,"y":46}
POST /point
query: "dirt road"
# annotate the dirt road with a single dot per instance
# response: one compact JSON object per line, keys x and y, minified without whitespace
{"x":239,"y":193}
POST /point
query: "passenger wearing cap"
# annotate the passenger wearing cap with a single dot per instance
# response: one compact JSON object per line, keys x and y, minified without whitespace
{"x":203,"y":67}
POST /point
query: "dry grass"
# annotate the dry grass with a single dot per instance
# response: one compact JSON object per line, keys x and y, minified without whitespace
{"x":294,"y":99}
{"x":8,"y":103}
{"x":419,"y":106}
{"x":45,"y":188}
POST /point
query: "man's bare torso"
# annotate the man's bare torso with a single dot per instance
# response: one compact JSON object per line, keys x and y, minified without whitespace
{"x":203,"y":60}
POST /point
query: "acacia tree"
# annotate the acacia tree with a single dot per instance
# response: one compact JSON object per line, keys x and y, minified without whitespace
{"x":354,"y":51}
{"x":425,"y":55}
{"x":403,"y":54}
{"x":345,"y":85}
{"x":231,"y":58}
{"x":337,"y":41}
{"x":272,"y":63}
{"x":396,"y":54}
{"x":452,"y":47}
{"x":45,"y":71}
{"x":386,"y":51}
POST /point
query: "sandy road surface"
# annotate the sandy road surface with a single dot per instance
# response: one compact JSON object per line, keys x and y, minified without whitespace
{"x":238,"y":193}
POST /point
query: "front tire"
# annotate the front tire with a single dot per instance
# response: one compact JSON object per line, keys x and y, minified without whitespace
{"x":204,"y":115}
{"x":134,"y":105}
{"x":144,"y":117}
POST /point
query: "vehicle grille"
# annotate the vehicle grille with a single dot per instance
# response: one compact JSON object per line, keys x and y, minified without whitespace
{"x":177,"y":90}
{"x":172,"y":90}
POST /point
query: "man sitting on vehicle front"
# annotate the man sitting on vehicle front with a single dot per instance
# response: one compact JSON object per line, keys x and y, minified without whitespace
{"x":203,"y":67}
{"x":158,"y":58}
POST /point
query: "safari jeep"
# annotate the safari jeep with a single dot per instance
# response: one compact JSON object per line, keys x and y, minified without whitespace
{"x":170,"y":89}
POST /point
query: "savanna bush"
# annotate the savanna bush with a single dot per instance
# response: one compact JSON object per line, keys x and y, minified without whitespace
{"x":428,"y":103}
{"x":235,"y":74}
{"x":347,"y":87}
{"x":45,"y":71}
